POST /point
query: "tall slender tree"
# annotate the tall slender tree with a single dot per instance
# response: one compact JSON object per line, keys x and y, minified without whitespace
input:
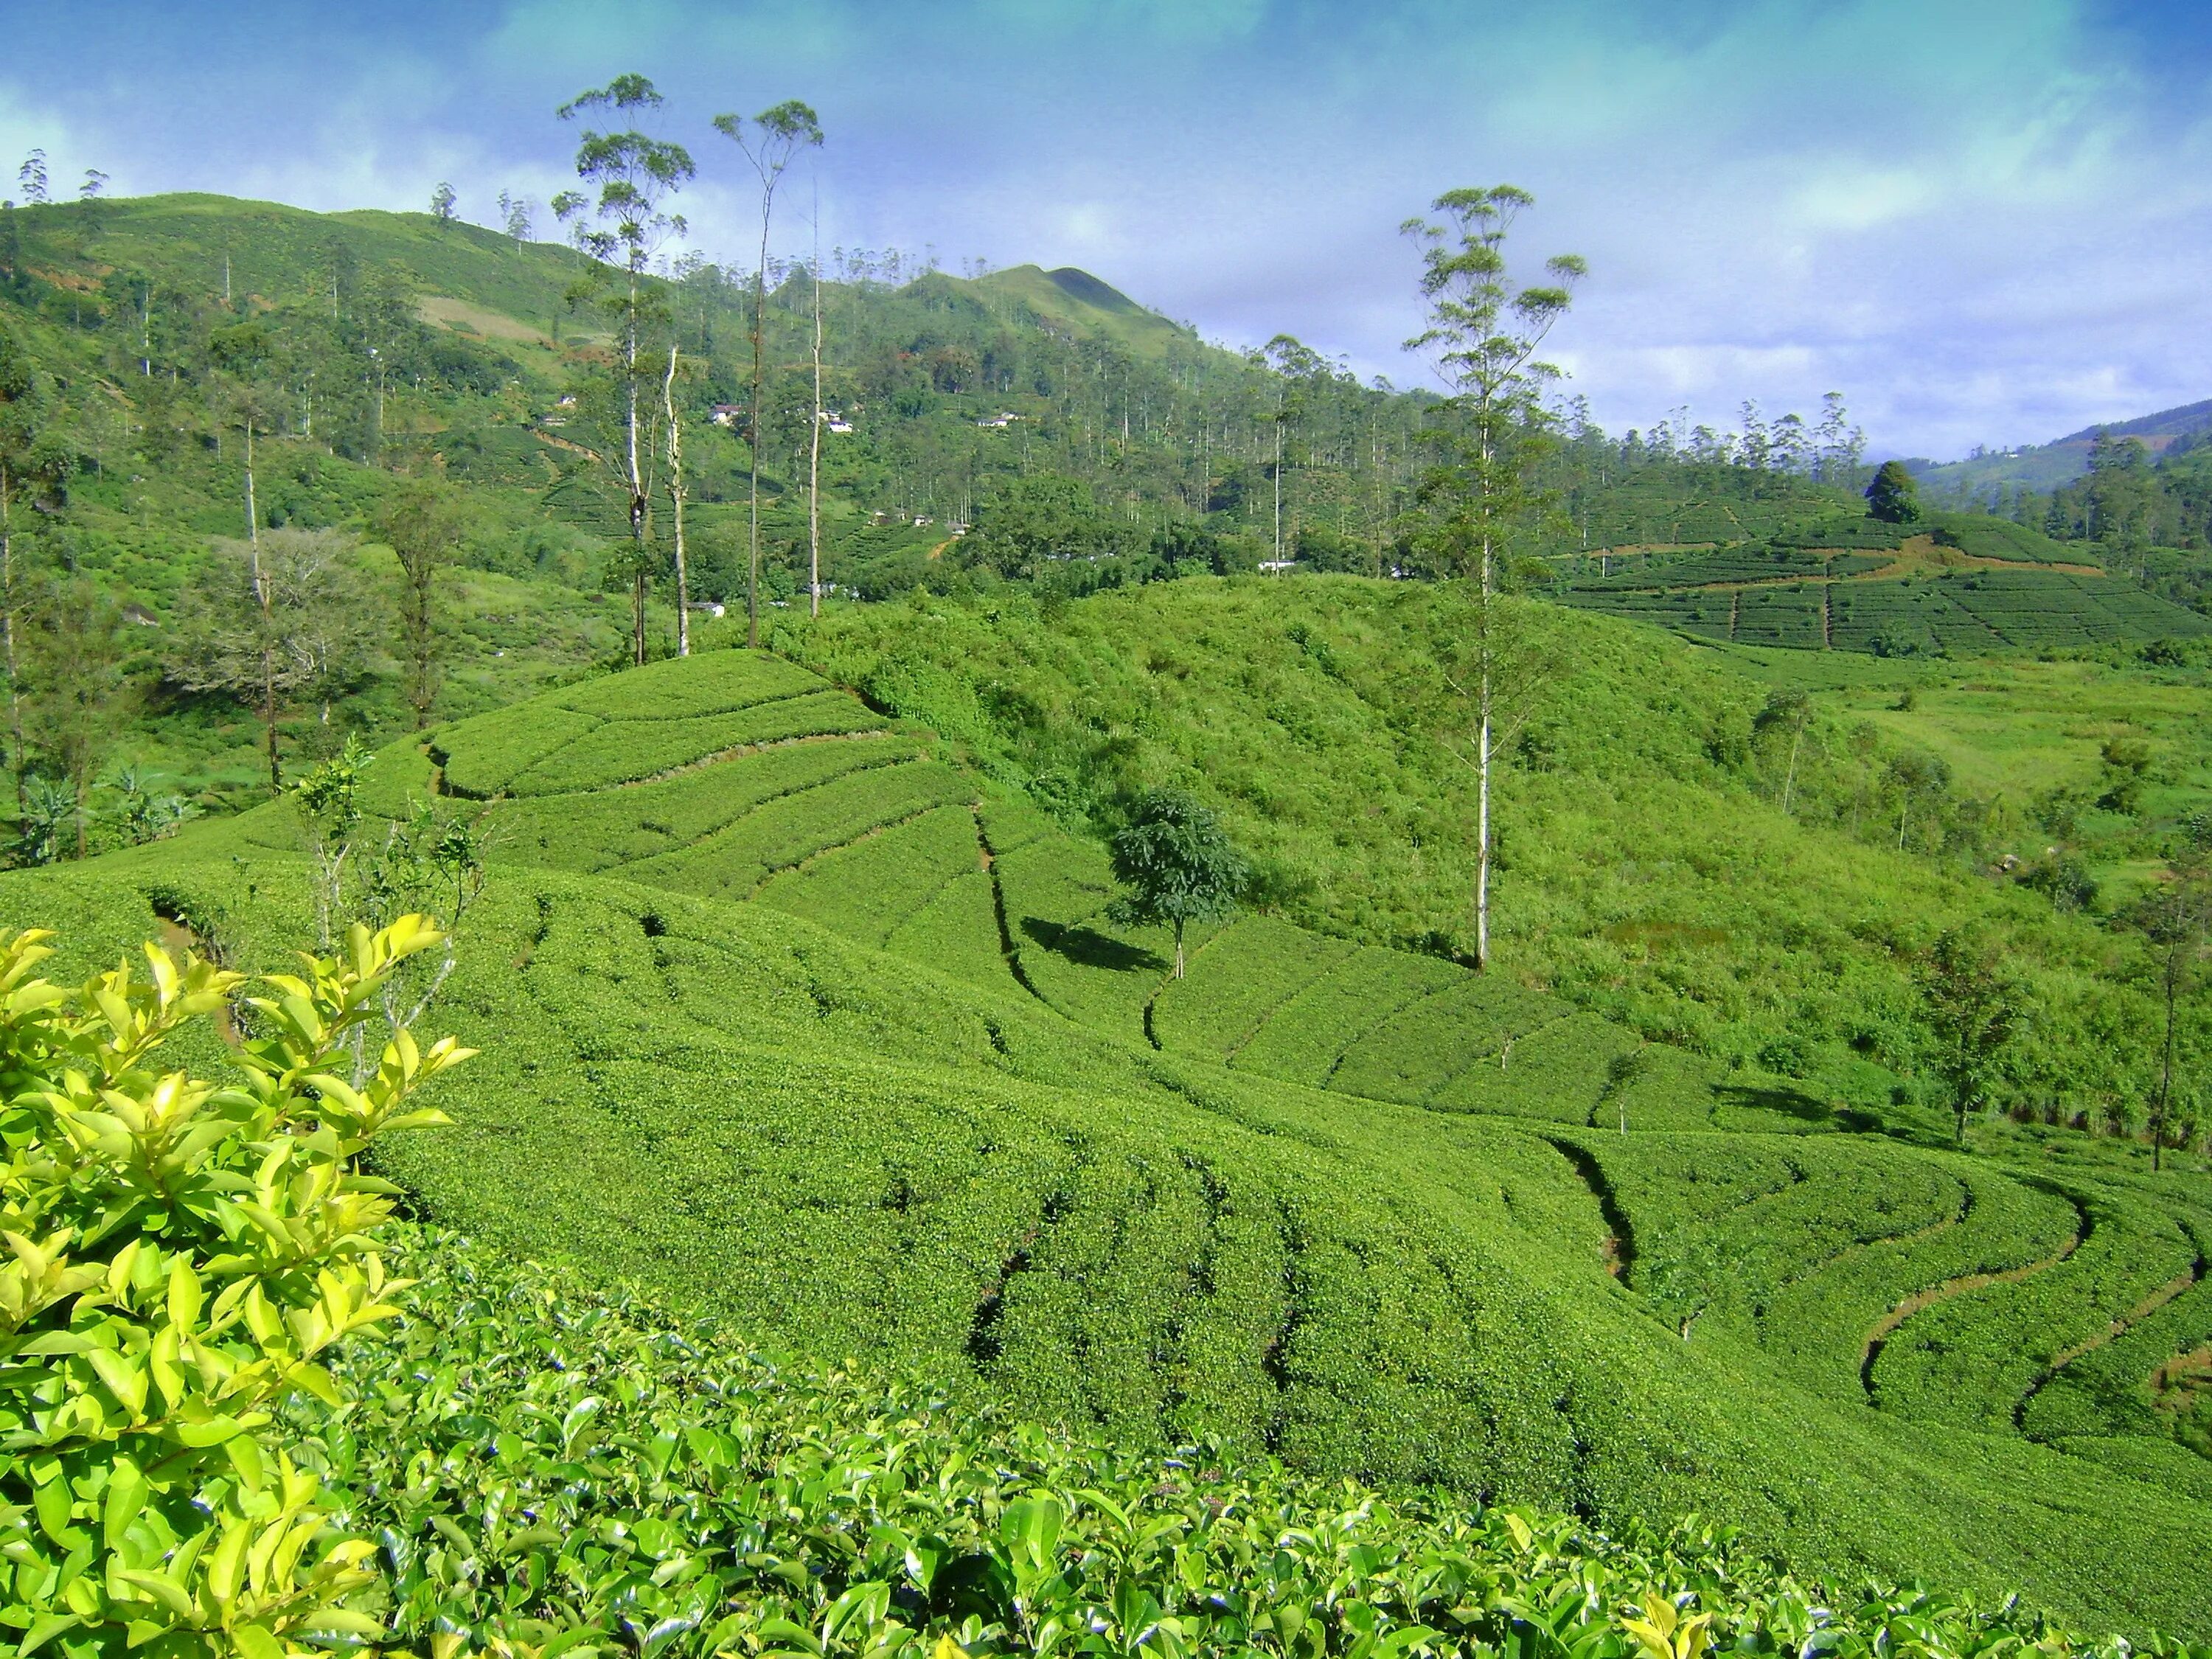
{"x":623,"y":222}
{"x":1484,"y":332}
{"x":778,"y":134}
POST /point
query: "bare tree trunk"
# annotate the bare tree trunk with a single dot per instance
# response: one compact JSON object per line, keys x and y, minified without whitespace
{"x":676,"y":508}
{"x":263,"y":597}
{"x":1279,"y":488}
{"x":8,"y":636}
{"x":2165,"y":1063}
{"x":814,"y":457}
{"x":1482,"y":736}
{"x":1789,"y":775}
{"x":639,"y":505}
{"x":760,"y":327}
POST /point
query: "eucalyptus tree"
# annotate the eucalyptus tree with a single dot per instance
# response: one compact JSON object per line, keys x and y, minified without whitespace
{"x":622,"y":222}
{"x":1485,"y":329}
{"x":777,"y":136}
{"x":1295,"y":365}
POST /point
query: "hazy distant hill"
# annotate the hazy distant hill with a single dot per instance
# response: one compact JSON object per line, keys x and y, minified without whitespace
{"x":2044,"y":466}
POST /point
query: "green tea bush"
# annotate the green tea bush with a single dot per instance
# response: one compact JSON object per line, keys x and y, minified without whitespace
{"x":553,"y":1470}
{"x":185,"y":1257}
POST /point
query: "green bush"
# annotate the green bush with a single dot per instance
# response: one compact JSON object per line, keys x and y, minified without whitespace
{"x":186,"y":1256}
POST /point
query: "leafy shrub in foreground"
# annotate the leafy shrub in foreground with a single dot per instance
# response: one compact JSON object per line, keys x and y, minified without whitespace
{"x":184,"y":1258}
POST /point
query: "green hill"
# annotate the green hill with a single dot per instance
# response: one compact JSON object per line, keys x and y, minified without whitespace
{"x":788,"y":1014}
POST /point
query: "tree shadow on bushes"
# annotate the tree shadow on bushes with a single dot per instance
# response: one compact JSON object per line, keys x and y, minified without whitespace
{"x":1089,"y":948}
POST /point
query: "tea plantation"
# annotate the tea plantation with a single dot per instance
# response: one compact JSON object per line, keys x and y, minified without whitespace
{"x":791,"y":1019}
{"x":1954,"y":583}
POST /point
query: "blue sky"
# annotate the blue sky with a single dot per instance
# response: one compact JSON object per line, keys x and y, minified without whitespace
{"x":1984,"y":221}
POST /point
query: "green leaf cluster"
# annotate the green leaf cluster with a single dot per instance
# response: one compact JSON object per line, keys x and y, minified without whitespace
{"x":182,"y":1256}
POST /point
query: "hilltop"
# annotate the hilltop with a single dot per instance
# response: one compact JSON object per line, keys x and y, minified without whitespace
{"x":2045,"y":466}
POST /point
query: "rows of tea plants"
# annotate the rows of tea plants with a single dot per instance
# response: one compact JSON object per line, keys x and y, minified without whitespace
{"x":1790,"y":615}
{"x":957,"y":932}
{"x":1987,"y":610}
{"x":1984,"y":537}
{"x":712,"y":683}
{"x":1305,"y":1036}
{"x":1245,"y":971}
{"x":1750,"y":562}
{"x":734,"y":862}
{"x":627,"y":751}
{"x":651,"y":720}
{"x":1423,"y":1047}
{"x":866,"y":890}
{"x":551,"y":1469}
{"x":743,"y":1109}
{"x":607,"y":829}
{"x":1722,"y":1229}
{"x":1972,"y":1359}
{"x":2111,"y":1389}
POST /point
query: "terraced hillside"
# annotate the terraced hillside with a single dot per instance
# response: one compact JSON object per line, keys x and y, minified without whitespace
{"x":789,"y":1016}
{"x":1965,"y":584}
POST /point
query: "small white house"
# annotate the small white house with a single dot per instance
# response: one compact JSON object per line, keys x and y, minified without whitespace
{"x":999,"y":422}
{"x":725,"y":413}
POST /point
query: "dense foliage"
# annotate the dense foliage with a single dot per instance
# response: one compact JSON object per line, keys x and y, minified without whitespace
{"x":186,"y":1257}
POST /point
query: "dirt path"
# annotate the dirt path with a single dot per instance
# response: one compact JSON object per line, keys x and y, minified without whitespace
{"x":1886,"y":1326}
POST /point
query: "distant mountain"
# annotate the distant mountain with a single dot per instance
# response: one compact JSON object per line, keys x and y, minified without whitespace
{"x":2045,"y":466}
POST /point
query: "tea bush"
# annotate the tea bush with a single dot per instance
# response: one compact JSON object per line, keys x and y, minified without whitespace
{"x":185,"y":1257}
{"x":552,"y":1470}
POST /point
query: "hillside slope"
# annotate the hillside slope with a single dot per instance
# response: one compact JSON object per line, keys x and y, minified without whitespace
{"x":1645,"y":869}
{"x":962,"y":1151}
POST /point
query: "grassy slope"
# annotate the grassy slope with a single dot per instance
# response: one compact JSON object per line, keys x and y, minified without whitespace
{"x":855,"y":1153}
{"x":1646,"y":871}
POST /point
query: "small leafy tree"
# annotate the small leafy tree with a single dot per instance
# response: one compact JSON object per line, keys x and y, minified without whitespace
{"x":1973,"y":1006}
{"x":430,"y":860}
{"x":1787,"y":713}
{"x":424,"y":529}
{"x":275,"y":620}
{"x":182,"y":1255}
{"x":1894,"y":495}
{"x":1177,"y":866}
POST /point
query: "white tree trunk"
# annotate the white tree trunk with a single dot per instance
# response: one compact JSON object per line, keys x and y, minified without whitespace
{"x":676,"y":508}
